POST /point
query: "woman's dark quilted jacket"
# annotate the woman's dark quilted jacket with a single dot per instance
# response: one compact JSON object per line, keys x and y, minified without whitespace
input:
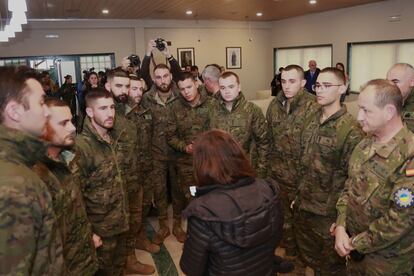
{"x":233,"y":230}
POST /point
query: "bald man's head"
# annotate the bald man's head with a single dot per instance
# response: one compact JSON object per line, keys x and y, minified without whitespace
{"x":402,"y":74}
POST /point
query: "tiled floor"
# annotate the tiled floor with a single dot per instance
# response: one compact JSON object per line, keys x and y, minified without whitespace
{"x":167,"y":260}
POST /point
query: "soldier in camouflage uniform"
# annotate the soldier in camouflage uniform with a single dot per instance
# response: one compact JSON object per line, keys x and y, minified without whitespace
{"x":188,"y":117}
{"x":30,"y":242}
{"x":211,"y":75}
{"x":328,"y":139}
{"x":78,"y":247}
{"x":162,"y":93}
{"x":142,"y":119}
{"x":102,"y":185}
{"x":376,"y":209}
{"x":118,"y":84}
{"x":242,"y":119}
{"x":402,"y":74}
{"x":285,"y":118}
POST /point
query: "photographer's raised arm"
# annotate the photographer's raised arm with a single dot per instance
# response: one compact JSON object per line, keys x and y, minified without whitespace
{"x":145,"y":66}
{"x":145,"y":71}
{"x":175,"y":68}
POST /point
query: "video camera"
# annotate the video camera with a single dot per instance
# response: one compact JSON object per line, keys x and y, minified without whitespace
{"x":134,"y":61}
{"x":160,"y":44}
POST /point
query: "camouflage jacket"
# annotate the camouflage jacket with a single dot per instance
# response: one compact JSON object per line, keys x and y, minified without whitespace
{"x":326,"y":149}
{"x":185,"y":123}
{"x":143,"y":120}
{"x":284,"y":128}
{"x":128,"y":147}
{"x":102,"y":185}
{"x":78,"y":248}
{"x":408,"y":111}
{"x":30,"y":242}
{"x":247,"y":124}
{"x":159,"y":109}
{"x":376,"y":206}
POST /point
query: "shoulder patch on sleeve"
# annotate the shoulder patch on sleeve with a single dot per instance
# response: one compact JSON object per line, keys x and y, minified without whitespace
{"x":409,"y":168}
{"x":404,"y":197}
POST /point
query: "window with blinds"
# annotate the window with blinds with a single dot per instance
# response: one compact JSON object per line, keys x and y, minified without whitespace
{"x":301,"y":56}
{"x":372,"y":60}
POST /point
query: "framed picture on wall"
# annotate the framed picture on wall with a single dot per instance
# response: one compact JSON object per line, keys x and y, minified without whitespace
{"x":185,"y":57}
{"x":233,"y":58}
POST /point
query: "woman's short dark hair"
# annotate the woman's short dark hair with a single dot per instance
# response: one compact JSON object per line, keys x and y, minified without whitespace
{"x":219,"y":159}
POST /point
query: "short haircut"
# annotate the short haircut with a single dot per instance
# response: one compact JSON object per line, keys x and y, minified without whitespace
{"x":297,"y":68}
{"x":219,"y":159}
{"x":194,"y":67}
{"x":185,"y":75}
{"x":336,"y":72}
{"x":211,"y":72}
{"x":161,"y":66}
{"x":96,"y":93}
{"x":340,"y":64}
{"x":117,"y":72}
{"x":228,"y":74}
{"x":386,"y":92}
{"x":13,"y":86}
{"x":53,"y":101}
{"x":406,"y":66}
{"x":134,"y":77}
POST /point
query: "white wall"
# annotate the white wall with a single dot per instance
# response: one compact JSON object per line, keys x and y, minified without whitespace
{"x":124,"y":37}
{"x":256,"y":72}
{"x":357,"y":24}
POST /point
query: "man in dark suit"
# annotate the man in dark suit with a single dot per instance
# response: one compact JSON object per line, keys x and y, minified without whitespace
{"x":311,"y":75}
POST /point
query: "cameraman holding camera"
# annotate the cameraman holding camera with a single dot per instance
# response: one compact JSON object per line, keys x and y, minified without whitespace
{"x":162,"y":46}
{"x":161,"y":95}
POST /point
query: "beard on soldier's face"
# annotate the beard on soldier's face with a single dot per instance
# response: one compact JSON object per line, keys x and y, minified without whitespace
{"x":48,"y":133}
{"x":164,"y":87}
{"x":123,"y":98}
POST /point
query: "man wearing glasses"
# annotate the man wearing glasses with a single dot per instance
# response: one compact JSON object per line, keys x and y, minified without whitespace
{"x":327,"y":141}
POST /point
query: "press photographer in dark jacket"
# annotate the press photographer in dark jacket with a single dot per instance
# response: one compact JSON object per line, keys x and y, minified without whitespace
{"x":235,"y":221}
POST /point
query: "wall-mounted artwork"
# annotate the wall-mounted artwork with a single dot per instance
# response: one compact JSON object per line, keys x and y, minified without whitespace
{"x":233,"y":58}
{"x":185,"y":57}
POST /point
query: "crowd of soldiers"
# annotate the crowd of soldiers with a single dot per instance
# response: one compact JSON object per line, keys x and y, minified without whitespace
{"x":79,"y":204}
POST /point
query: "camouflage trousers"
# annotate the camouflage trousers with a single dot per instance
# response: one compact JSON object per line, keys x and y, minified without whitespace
{"x":316,"y":245}
{"x":135,"y":219}
{"x":288,"y":241}
{"x":162,"y":170}
{"x":181,"y":192}
{"x":148,"y":193}
{"x":111,"y":255}
{"x":376,"y":265}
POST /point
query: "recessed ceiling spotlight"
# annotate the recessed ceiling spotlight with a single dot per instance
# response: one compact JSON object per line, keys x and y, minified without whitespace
{"x":259,"y":14}
{"x":394,"y":18}
{"x":105,"y":11}
{"x":189,"y":12}
{"x":312,"y":2}
{"x":52,"y":36}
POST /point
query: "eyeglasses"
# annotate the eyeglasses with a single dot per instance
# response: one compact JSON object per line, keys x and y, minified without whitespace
{"x":323,"y":86}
